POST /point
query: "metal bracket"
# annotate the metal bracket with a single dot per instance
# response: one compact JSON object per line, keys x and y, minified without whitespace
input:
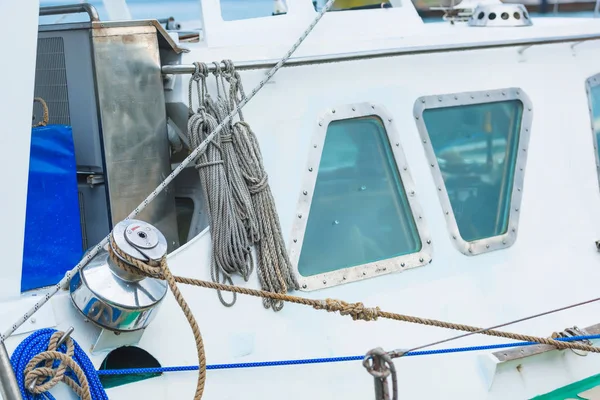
{"x":528,"y":351}
{"x":62,"y":339}
{"x":94,"y":180}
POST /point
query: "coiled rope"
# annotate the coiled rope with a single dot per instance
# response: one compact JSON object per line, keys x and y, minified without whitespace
{"x":274,"y":266}
{"x":230,"y":246}
{"x":241,"y":205}
{"x":223,"y":106}
{"x":38,"y":359}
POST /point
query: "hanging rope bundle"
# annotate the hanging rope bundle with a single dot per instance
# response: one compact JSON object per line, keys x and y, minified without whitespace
{"x":220,"y":109}
{"x":241,"y":205}
{"x":274,"y":267}
{"x":230,"y":246}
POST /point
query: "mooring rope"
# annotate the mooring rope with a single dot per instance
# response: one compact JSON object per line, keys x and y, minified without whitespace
{"x":189,"y":159}
{"x":357,"y":311}
{"x":161,"y":270}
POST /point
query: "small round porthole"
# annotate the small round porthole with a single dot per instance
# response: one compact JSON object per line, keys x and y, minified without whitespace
{"x":481,"y":15}
{"x":492,"y":16}
{"x":525,"y":15}
{"x":517,"y":15}
{"x":504,"y":16}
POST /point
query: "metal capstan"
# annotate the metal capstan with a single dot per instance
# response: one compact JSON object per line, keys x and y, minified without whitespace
{"x":115,"y":299}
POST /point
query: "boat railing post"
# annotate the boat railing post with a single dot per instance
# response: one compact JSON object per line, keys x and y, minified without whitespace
{"x":9,"y":388}
{"x":380,"y":365}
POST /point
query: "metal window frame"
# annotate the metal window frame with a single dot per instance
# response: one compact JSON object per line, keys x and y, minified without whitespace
{"x":472,"y":98}
{"x":364,"y":271}
{"x":591,"y":82}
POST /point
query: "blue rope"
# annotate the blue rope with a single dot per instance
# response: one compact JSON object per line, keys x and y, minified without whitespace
{"x":37,"y":343}
{"x":134,"y":371}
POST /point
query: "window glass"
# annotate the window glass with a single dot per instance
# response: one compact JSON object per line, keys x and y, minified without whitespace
{"x":595,"y":105}
{"x":359,"y":211}
{"x":232,"y":10}
{"x":476,"y":148}
{"x":343,"y":5}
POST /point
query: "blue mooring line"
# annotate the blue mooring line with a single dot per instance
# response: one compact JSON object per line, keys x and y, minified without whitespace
{"x":132,"y":371}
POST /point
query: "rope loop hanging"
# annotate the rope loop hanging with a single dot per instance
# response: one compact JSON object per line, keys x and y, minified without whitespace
{"x":46,"y":113}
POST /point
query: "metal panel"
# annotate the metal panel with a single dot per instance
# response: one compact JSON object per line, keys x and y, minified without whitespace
{"x":364,"y":271}
{"x":467,"y":98}
{"x":134,"y":125}
{"x":51,"y":80}
{"x":79,"y":80}
{"x":94,"y":213}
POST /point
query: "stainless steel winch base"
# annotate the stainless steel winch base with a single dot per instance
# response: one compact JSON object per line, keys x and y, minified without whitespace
{"x":112,"y":298}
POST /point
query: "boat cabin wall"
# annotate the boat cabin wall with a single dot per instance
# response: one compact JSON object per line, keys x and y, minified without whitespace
{"x":382,"y":23}
{"x":15,"y":114}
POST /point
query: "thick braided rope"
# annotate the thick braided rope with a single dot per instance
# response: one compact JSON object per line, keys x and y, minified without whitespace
{"x":274,"y":267}
{"x":161,"y":271}
{"x":357,"y":311}
{"x":275,"y":270}
{"x":220,"y":109}
{"x":34,"y":372}
{"x":230,"y":245}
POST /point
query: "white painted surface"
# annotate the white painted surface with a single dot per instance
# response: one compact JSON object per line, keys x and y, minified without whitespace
{"x":553,"y":262}
{"x":117,"y":10}
{"x":15,"y":113}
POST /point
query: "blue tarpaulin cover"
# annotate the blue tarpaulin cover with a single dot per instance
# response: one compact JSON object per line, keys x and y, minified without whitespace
{"x":53,"y":242}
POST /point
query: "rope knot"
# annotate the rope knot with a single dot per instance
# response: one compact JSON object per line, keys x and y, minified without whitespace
{"x":200,"y":71}
{"x":47,"y":369}
{"x":356,"y":310}
{"x":217,"y":70}
{"x":258,"y":185}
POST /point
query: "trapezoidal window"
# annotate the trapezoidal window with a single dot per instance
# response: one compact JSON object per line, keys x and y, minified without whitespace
{"x":593,"y":92}
{"x":476,"y":144}
{"x":357,"y":214}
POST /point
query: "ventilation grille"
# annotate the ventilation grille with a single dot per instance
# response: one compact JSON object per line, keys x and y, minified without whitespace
{"x":51,"y":81}
{"x":500,"y":15}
